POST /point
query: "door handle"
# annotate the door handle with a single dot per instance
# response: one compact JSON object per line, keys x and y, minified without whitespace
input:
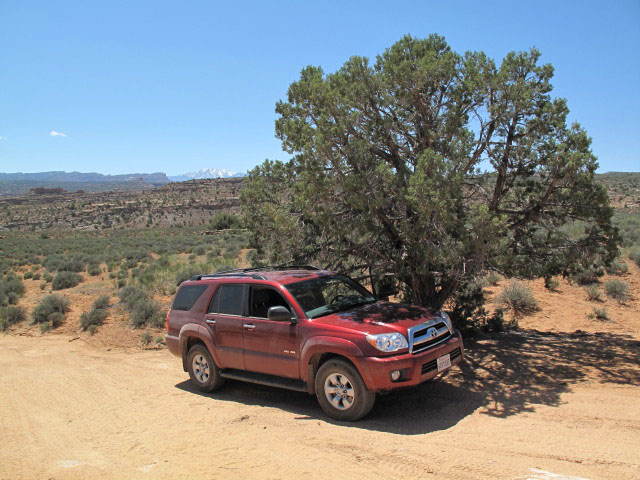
{"x":210,"y":321}
{"x":248,"y":326}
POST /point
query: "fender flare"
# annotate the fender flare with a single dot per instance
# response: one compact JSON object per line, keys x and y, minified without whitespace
{"x":190,"y":330}
{"x":339,"y":346}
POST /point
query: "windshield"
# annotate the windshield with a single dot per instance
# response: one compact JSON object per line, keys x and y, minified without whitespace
{"x":324,"y":295}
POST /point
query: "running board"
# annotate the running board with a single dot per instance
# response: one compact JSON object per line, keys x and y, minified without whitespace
{"x":264,"y":379}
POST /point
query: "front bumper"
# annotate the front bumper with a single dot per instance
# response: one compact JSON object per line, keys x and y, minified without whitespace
{"x":416,"y":368}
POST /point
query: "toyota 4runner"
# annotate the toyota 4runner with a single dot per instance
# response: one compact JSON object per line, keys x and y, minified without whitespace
{"x":309,"y":330}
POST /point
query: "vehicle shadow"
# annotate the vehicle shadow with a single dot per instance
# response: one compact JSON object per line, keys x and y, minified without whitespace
{"x":501,"y":376}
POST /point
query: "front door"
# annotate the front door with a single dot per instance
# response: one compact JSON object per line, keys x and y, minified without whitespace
{"x":224,"y":320}
{"x":269,"y":347}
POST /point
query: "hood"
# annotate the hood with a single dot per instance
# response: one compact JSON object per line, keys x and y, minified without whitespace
{"x":379,"y":317}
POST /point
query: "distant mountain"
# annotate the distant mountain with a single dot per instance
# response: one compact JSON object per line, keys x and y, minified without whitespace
{"x":206,"y":173}
{"x":157,"y":178}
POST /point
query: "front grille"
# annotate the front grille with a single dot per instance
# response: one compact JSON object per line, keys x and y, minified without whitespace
{"x":420,"y":342}
{"x":433,"y":364}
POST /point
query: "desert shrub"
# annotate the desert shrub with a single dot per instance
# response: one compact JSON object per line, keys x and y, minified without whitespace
{"x":27,"y":275}
{"x":159,"y":339}
{"x":593,"y":293}
{"x":588,"y":276}
{"x":65,"y":279}
{"x":11,"y":289}
{"x":617,"y":289}
{"x":36,"y":276}
{"x":131,"y":295}
{"x":145,"y":312}
{"x":469,"y":315}
{"x":92,"y":329}
{"x":551,"y":284}
{"x":518,"y":297}
{"x":145,"y":338}
{"x":200,"y":250}
{"x":47,"y":277}
{"x":64,"y":263}
{"x":634,"y":255}
{"x":11,"y":315}
{"x":101,"y":303}
{"x":225,"y":221}
{"x":94,"y":270}
{"x":492,"y":278}
{"x":600,"y":314}
{"x":94,"y":317}
{"x":618,"y":267}
{"x":50,"y":310}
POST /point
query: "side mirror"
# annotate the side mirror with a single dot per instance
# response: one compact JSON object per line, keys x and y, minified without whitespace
{"x":280,"y":314}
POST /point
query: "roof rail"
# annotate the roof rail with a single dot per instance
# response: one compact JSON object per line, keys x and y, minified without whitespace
{"x":246,"y":272}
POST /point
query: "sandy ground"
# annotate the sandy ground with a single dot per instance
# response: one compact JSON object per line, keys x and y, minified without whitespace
{"x":523,"y":406}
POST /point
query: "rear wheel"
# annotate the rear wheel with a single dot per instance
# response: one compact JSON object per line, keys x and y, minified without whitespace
{"x":341,"y":392}
{"x":202,"y":369}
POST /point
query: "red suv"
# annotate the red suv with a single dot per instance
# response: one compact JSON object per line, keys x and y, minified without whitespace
{"x":306,"y":329}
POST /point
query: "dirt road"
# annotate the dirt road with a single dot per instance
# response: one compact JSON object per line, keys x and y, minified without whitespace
{"x":526,"y":406}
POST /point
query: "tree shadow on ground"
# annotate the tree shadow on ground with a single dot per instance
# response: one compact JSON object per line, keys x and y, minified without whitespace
{"x":501,"y":376}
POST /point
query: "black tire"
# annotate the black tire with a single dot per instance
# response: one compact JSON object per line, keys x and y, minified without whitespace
{"x":356,"y":399}
{"x":203,"y":371}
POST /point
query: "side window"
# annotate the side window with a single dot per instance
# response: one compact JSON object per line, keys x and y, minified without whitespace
{"x":262,"y":299}
{"x":228,"y":300}
{"x":187,"y":296}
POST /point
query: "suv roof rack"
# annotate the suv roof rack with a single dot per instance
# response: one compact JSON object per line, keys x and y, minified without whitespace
{"x":246,"y":272}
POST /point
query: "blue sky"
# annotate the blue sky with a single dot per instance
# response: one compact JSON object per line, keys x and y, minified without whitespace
{"x":178,"y":86}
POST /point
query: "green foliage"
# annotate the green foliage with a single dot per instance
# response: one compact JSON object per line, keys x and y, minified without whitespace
{"x":618,"y":267}
{"x":385,"y":174}
{"x":617,"y":289}
{"x":634,"y":255}
{"x":593,"y":293}
{"x":145,"y":338}
{"x":94,"y":270}
{"x":600,"y":314}
{"x":551,"y":284}
{"x":102,"y":302}
{"x":50,"y":311}
{"x":66,"y":279}
{"x":588,"y":276}
{"x":11,"y":289}
{"x":142,"y":309}
{"x":10,"y":315}
{"x":470,"y":317}
{"x":93,"y":317}
{"x":518,"y":297}
{"x":225,"y":221}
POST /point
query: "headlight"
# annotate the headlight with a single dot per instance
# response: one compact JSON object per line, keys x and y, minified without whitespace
{"x":447,"y":321}
{"x":388,"y":342}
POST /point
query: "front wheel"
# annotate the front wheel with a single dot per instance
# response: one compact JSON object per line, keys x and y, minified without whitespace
{"x":341,"y":392}
{"x":203,"y":371}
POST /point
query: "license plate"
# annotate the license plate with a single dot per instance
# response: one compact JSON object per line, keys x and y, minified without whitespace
{"x":444,"y":362}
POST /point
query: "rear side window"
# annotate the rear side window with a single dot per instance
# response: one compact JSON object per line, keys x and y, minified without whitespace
{"x":187,"y":296}
{"x":228,"y":300}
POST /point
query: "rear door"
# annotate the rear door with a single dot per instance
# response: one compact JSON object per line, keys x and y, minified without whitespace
{"x":224,"y":321}
{"x":269,"y":347}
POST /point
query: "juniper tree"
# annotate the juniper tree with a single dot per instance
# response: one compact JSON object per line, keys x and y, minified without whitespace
{"x":431,"y":165}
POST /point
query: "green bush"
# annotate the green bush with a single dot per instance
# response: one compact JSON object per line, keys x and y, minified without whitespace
{"x":618,"y":267}
{"x":50,"y":310}
{"x":94,"y":317}
{"x":131,"y":295}
{"x":11,"y":315}
{"x":94,"y":270}
{"x":66,"y":279}
{"x":36,"y":276}
{"x":518,"y":297}
{"x":145,"y":338}
{"x":102,"y":302}
{"x":600,"y":314}
{"x":634,"y":255}
{"x":469,"y":315}
{"x":27,"y":275}
{"x":617,"y":289}
{"x":593,"y":293}
{"x":47,"y":277}
{"x":588,"y":276}
{"x":145,"y":312}
{"x":225,"y":221}
{"x":11,"y":289}
{"x":551,"y":284}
